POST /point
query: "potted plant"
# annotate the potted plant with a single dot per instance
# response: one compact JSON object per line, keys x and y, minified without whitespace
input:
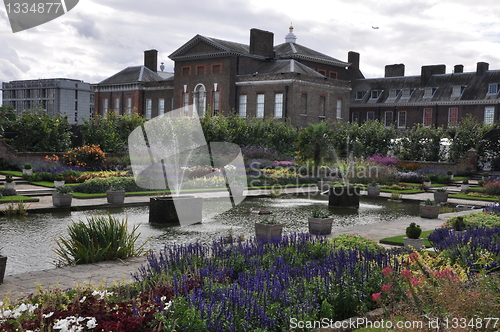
{"x":27,"y":169}
{"x":115,"y":194}
{"x":465,"y":185}
{"x":62,"y":197}
{"x":3,"y":265}
{"x":395,"y":197}
{"x":9,"y":182}
{"x":486,"y":176}
{"x":373,"y":189}
{"x":413,"y":240}
{"x":323,"y":185}
{"x":427,"y":182}
{"x":58,"y":181}
{"x":450,"y":174}
{"x":320,"y":222}
{"x":429,"y":209}
{"x":268,"y":228}
{"x":441,"y":195}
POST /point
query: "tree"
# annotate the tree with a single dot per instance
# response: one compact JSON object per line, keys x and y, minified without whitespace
{"x":315,"y":143}
{"x":464,"y":136}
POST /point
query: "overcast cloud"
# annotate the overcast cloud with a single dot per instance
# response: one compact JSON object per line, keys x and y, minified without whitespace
{"x":96,"y":39}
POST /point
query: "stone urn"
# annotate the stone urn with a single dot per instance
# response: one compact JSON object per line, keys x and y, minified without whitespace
{"x":320,"y":226}
{"x":266,"y":231}
{"x":373,"y":190}
{"x":115,"y":196}
{"x":62,"y":199}
{"x":413,"y":244}
{"x":429,"y":211}
{"x":441,"y":196}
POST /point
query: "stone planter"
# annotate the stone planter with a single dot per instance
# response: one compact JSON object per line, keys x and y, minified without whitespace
{"x":320,"y":226}
{"x":10,"y":185}
{"x":59,"y":199}
{"x":58,"y":184}
{"x":464,"y":187}
{"x":115,"y":196}
{"x":373,"y":190}
{"x":28,"y":172}
{"x":344,"y":196}
{"x":3,"y":265}
{"x":427,"y":184}
{"x":268,"y":231}
{"x":413,"y":244}
{"x":429,"y":211}
{"x":440,"y":197}
{"x":175,"y":210}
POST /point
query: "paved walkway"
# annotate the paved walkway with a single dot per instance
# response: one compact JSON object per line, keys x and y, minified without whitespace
{"x":107,"y":273}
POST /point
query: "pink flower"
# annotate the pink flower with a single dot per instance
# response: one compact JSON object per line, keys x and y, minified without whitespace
{"x":387,"y":271}
{"x":415,"y":282}
{"x":386,"y":288}
{"x":406,"y":273}
{"x":376,"y":296}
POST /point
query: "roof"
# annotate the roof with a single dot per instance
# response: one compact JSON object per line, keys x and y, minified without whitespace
{"x":219,"y":47}
{"x":471,"y":88}
{"x":285,"y":66}
{"x":132,"y":75}
{"x":297,"y":51}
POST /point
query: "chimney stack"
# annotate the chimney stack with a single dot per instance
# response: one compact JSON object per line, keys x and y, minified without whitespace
{"x":458,"y":69}
{"x":428,"y":71}
{"x":262,"y":43}
{"x":151,"y":60}
{"x":395,"y":70}
{"x":481,"y":68}
{"x":353,"y":59}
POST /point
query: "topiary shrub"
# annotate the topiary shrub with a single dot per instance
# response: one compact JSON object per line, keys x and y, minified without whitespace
{"x":413,"y":231}
{"x":101,"y":185}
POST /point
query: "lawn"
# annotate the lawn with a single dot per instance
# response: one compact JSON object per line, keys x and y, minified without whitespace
{"x":398,"y":240}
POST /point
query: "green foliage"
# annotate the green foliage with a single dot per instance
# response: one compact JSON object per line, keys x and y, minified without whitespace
{"x":373,"y":138}
{"x":101,"y":185}
{"x":355,"y":242}
{"x":110,"y":132}
{"x":465,"y":136}
{"x":413,"y":231}
{"x":101,"y":238}
{"x":37,"y":131}
{"x":420,"y":144}
{"x":64,"y":190}
{"x":475,"y":220}
{"x":269,"y":133}
{"x":314,"y":143}
{"x":85,"y":156}
{"x":320,"y":213}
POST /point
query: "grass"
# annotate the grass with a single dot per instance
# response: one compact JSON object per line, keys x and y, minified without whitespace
{"x":398,"y":240}
{"x":404,"y":191}
{"x":465,"y":196}
{"x":18,"y":198}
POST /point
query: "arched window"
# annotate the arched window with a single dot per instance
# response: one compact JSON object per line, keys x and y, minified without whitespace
{"x":200,"y":99}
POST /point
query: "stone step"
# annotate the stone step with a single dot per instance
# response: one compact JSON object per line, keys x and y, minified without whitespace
{"x":35,"y":192}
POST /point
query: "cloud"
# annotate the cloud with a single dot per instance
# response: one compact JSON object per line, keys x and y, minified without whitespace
{"x":85,"y":26}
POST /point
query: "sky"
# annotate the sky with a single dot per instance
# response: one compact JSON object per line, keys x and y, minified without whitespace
{"x":97,"y":39}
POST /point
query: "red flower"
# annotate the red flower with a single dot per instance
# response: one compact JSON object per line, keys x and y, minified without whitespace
{"x":386,"y":288}
{"x":376,"y":296}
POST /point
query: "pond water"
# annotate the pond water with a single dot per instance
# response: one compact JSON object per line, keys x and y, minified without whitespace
{"x":28,"y":241}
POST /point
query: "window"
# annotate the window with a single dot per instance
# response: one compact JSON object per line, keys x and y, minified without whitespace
{"x":129,"y":105}
{"x":303,"y":103}
{"x":242,"y":108}
{"x":429,"y":92}
{"x":215,"y":102}
{"x":200,"y":99}
{"x":393,"y":93}
{"x":370,"y":115}
{"x":200,"y":69}
{"x":322,"y":72}
{"x":322,"y":106}
{"x":388,"y":119}
{"x":489,"y":115}
{"x":406,"y":93}
{"x":105,"y":106}
{"x":427,"y":121}
{"x":185,"y":103}
{"x":259,"y":112}
{"x":185,"y":70}
{"x":493,"y":89}
{"x":149,"y":106}
{"x":117,"y":105}
{"x":355,"y":117}
{"x":374,"y":94}
{"x":360,"y":95}
{"x":339,"y":108}
{"x":402,"y":119}
{"x":216,"y":68}
{"x":452,"y":116}
{"x":334,"y":74}
{"x":278,"y":105}
{"x":161,"y":106}
{"x":457,"y":90}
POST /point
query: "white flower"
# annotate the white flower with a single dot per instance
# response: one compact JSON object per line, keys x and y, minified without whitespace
{"x":48,"y":315}
{"x":83,"y":299}
{"x":91,"y":322}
